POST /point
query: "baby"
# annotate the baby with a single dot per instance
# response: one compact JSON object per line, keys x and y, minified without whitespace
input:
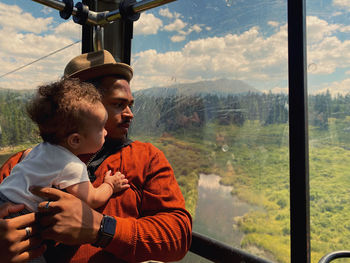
{"x":71,"y":120}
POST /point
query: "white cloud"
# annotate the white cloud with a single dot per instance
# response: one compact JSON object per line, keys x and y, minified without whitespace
{"x":148,"y":24}
{"x":278,"y":90}
{"x":318,"y":29}
{"x":337,"y":87}
{"x":195,"y":28}
{"x":342,"y":4}
{"x":23,"y":21}
{"x":177,"y":38}
{"x":69,"y":30}
{"x":47,"y":10}
{"x":246,"y":56}
{"x":329,"y":55}
{"x":250,"y":56}
{"x":30,"y":39}
{"x":46,"y":70}
{"x":337,"y":13}
{"x":177,"y":25}
{"x":166,"y":13}
{"x":326,"y":52}
{"x":182,"y":34}
{"x":273,"y":23}
{"x":344,"y":29}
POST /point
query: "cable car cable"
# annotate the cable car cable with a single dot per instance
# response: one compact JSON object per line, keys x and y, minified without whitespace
{"x":30,"y":63}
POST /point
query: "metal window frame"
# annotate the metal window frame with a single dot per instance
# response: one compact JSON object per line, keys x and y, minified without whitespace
{"x":298,"y":133}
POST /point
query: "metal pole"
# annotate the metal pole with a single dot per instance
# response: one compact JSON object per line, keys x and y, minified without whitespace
{"x":87,"y":44}
{"x":105,"y":17}
{"x":137,"y":8}
{"x":52,"y":3}
{"x":298,"y":133}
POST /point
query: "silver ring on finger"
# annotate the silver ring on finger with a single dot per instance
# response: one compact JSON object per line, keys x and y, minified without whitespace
{"x":28,"y":231}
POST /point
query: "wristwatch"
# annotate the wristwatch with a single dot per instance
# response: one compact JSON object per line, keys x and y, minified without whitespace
{"x":106,"y":232}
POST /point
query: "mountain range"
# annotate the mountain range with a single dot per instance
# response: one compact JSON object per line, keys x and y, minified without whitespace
{"x":221,"y":87}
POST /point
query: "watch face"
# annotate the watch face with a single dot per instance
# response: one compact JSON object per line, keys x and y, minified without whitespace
{"x":109,"y":225}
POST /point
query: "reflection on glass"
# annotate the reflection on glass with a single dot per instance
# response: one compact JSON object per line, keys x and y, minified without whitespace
{"x":211,"y":91}
{"x":329,"y":116}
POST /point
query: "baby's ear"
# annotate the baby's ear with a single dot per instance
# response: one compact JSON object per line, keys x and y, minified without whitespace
{"x":74,"y":140}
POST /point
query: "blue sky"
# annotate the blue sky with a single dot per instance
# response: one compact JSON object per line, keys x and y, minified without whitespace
{"x":187,"y":41}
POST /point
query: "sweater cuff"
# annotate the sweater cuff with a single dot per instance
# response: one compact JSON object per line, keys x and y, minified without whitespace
{"x":123,"y":241}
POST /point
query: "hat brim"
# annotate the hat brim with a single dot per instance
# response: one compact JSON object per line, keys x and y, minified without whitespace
{"x":119,"y":69}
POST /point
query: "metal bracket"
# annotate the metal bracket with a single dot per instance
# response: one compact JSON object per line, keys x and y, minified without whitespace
{"x":68,"y":9}
{"x":127,"y":11}
{"x":82,"y":14}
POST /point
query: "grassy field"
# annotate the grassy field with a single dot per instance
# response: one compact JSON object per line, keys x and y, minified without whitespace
{"x":254,"y":159}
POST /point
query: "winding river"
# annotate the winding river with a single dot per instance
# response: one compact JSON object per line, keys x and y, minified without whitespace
{"x":216,"y":208}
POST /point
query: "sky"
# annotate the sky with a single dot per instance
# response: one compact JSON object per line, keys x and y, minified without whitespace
{"x":187,"y":41}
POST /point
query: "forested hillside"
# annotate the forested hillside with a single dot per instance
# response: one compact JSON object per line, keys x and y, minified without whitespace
{"x":155,"y":115}
{"x":15,"y":126}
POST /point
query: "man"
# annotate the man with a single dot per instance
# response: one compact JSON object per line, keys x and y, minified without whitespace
{"x":146,"y":222}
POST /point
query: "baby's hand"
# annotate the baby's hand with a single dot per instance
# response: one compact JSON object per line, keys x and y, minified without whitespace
{"x":117,"y":181}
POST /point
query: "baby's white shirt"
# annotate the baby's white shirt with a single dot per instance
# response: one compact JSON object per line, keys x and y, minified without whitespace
{"x":46,"y":165}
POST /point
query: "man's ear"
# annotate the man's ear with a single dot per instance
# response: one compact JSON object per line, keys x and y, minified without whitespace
{"x":74,"y":140}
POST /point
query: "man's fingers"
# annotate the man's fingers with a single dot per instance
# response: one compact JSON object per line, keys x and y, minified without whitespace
{"x":9,"y":208}
{"x":47,"y":192}
{"x":29,"y":231}
{"x":28,"y":244}
{"x":30,"y":254}
{"x":48,"y":233}
{"x":48,"y":207}
{"x":22,"y":221}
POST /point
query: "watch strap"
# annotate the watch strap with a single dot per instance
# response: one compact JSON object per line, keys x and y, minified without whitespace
{"x":106,"y":231}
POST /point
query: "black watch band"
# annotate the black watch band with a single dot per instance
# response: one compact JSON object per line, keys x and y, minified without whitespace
{"x":106,"y":232}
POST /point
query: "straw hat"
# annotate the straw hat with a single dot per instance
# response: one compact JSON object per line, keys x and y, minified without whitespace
{"x":96,"y":64}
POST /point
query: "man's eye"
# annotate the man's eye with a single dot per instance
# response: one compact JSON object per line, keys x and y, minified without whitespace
{"x":118,"y":105}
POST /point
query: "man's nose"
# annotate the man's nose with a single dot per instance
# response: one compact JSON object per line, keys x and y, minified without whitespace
{"x":127,"y":113}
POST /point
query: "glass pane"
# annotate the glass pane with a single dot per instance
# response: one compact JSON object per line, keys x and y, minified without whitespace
{"x":329,"y":115}
{"x":210,"y":90}
{"x":35,"y":46}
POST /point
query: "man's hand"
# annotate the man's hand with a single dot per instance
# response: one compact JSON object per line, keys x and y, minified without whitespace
{"x":66,"y":219}
{"x":15,"y":244}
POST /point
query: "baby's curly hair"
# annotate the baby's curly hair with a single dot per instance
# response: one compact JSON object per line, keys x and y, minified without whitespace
{"x":60,"y":108}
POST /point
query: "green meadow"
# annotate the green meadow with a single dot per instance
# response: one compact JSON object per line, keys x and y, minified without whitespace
{"x":254,"y":160}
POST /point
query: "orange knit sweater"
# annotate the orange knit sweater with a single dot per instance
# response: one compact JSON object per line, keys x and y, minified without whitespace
{"x":152,"y":222}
